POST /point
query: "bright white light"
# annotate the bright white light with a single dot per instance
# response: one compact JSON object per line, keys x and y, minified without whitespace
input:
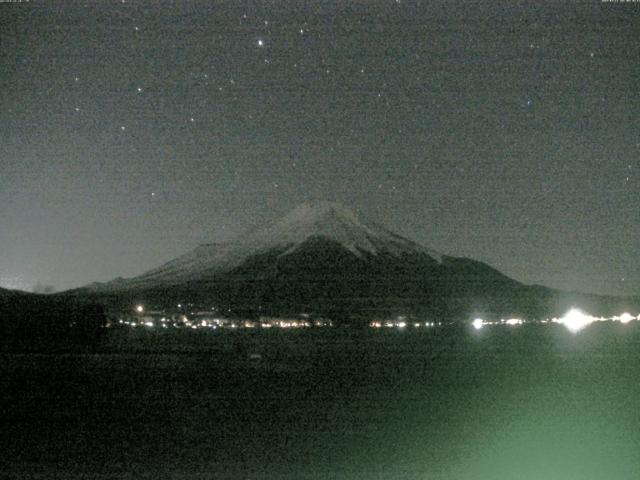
{"x":477,"y":323}
{"x":575,"y":320}
{"x":513,"y":321}
{"x":402,"y":325}
{"x":626,"y":317}
{"x":139,"y":309}
{"x":261,"y":43}
{"x":149,"y":324}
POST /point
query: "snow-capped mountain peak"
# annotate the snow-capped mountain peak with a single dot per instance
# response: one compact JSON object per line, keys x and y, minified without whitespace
{"x":335,"y":222}
{"x":316,"y":219}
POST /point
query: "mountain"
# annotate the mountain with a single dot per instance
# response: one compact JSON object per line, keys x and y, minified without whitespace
{"x":323,"y":258}
{"x":327,"y":220}
{"x":36,"y":322}
{"x":5,"y":293}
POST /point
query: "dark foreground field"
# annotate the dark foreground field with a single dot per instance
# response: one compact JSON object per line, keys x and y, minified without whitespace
{"x":531,"y":402}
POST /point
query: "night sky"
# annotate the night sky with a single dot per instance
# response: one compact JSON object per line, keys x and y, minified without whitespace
{"x":508,"y":132}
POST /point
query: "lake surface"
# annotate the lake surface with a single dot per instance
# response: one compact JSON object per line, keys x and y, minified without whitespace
{"x":525,"y":402}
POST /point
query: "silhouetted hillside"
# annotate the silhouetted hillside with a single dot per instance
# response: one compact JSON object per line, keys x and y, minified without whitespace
{"x":33,"y":322}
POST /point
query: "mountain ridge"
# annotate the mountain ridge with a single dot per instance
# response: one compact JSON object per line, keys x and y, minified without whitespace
{"x":318,"y":218}
{"x":326,"y":259}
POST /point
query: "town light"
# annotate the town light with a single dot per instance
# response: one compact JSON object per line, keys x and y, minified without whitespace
{"x":513,"y":321}
{"x":575,"y":320}
{"x":626,"y":317}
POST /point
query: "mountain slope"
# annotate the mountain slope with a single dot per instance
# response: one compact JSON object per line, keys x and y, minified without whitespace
{"x":313,"y":219}
{"x":322,"y":258}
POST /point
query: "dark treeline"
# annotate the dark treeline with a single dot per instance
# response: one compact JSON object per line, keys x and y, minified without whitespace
{"x":41,"y":323}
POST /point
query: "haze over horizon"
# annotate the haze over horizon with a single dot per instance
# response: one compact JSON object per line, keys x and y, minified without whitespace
{"x":502,"y":132}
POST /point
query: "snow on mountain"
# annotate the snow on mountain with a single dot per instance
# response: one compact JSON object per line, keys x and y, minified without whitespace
{"x":335,"y":222}
{"x":328,"y":220}
{"x":202,"y":257}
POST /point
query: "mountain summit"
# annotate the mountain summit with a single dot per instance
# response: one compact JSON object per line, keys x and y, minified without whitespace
{"x":317,"y":220}
{"x":334,"y":222}
{"x":326,"y":259}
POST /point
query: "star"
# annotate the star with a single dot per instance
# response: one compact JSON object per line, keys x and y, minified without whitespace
{"x":123,"y":128}
{"x":192,"y":119}
{"x":139,"y":89}
{"x":77,"y":109}
{"x":260,"y":42}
